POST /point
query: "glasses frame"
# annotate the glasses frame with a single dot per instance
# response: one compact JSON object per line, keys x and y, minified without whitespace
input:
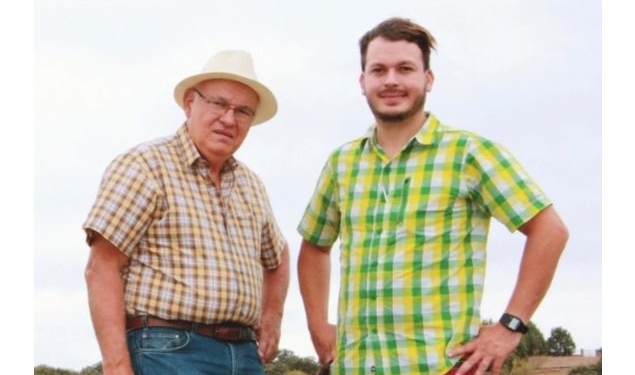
{"x":221,"y":106}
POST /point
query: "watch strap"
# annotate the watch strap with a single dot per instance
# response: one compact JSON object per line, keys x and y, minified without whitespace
{"x":513,"y":323}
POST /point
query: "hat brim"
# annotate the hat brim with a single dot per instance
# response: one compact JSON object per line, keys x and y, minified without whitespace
{"x":267,"y":107}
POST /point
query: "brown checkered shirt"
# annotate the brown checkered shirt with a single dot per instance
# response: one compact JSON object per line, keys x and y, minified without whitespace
{"x":195,"y":252}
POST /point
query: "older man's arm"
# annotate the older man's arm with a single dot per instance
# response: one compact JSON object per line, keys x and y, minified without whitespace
{"x":106,"y":302}
{"x":275,"y":287}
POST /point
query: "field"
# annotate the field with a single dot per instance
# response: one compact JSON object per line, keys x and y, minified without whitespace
{"x":559,"y":365}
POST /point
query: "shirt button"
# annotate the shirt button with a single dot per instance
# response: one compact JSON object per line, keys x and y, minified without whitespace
{"x":372,"y":368}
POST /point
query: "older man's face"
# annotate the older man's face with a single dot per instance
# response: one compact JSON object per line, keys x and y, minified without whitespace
{"x":219,"y":114}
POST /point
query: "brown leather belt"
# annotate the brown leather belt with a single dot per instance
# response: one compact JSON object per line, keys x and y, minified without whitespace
{"x":232,"y":332}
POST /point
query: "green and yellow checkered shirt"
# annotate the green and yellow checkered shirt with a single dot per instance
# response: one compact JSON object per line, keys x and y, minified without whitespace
{"x":196,"y":252}
{"x":413,"y":233}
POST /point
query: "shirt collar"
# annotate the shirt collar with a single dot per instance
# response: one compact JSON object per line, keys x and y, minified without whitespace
{"x":190,"y":155}
{"x":428,"y":134}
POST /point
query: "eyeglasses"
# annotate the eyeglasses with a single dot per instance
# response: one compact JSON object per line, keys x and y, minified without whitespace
{"x":220,"y":106}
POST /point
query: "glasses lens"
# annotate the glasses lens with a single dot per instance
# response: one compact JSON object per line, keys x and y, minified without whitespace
{"x":220,"y":106}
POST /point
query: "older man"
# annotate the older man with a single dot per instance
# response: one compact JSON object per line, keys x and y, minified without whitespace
{"x":188,"y":270}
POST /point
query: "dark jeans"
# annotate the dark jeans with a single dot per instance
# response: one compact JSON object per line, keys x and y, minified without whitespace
{"x":169,"y":351}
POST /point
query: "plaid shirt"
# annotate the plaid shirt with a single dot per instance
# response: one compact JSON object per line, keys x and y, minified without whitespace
{"x":196,"y":252}
{"x":413,"y":233}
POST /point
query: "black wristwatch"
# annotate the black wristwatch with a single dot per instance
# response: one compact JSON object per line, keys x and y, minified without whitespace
{"x":513,"y":323}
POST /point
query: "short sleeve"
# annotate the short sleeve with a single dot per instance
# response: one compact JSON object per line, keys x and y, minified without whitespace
{"x":273,"y":241}
{"x":501,"y":186}
{"x":320,"y":223}
{"x":125,"y":204}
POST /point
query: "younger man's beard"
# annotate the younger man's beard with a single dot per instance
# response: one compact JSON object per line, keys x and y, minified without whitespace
{"x":400,"y":116}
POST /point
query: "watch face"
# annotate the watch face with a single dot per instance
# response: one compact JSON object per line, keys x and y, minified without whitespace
{"x":514,"y":323}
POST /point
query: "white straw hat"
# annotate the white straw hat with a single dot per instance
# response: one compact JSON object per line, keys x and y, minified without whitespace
{"x":238,"y":66}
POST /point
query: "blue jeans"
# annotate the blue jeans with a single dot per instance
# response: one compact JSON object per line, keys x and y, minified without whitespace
{"x":169,"y":351}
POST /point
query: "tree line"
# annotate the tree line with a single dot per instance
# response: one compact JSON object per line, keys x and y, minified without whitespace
{"x":560,"y":343}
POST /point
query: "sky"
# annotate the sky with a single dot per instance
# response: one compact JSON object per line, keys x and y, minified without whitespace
{"x":527,"y":74}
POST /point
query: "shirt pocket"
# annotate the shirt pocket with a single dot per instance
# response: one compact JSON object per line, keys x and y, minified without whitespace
{"x":432,"y":214}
